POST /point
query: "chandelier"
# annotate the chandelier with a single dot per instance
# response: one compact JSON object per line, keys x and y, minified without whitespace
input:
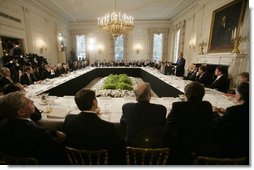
{"x":116,"y":23}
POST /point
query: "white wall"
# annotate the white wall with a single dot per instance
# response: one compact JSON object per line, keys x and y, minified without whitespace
{"x":38,"y":23}
{"x":198,"y":22}
{"x":38,"y":26}
{"x":138,"y":35}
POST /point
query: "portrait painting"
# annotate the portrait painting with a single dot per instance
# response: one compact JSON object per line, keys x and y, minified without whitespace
{"x":225,"y":21}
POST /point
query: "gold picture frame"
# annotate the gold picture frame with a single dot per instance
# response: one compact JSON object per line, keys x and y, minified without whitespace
{"x":225,"y":22}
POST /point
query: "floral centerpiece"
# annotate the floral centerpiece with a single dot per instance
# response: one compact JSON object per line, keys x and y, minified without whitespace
{"x":115,"y":86}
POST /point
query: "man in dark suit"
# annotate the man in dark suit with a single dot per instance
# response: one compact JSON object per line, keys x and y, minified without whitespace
{"x":232,"y":128}
{"x":203,"y":76}
{"x":221,"y":83}
{"x":27,"y":77}
{"x":87,"y":131}
{"x":189,"y":125}
{"x":180,"y":64}
{"x":6,"y":77}
{"x":13,"y":87}
{"x":20,"y":137}
{"x":140,"y":116}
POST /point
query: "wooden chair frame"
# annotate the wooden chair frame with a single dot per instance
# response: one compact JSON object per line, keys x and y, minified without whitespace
{"x":10,"y":160}
{"x":147,"y":156}
{"x":86,"y":157}
{"x":204,"y":160}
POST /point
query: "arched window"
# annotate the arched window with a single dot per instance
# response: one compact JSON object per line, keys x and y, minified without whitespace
{"x":157,"y":47}
{"x":119,"y":48}
{"x":176,"y":44}
{"x":81,"y":46}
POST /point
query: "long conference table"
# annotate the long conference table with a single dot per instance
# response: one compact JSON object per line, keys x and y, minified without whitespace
{"x":61,"y":92}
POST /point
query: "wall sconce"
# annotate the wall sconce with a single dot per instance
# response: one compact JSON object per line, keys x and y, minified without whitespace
{"x":61,"y":39}
{"x":100,"y":48}
{"x":41,"y":44}
{"x":202,"y":44}
{"x":91,"y":44}
{"x":138,"y":48}
{"x":192,"y":43}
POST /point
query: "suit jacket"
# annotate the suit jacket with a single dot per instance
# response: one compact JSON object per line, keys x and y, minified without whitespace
{"x":189,"y":129}
{"x":87,"y":131}
{"x":205,"y":79}
{"x":222,"y":84}
{"x":192,"y":75}
{"x":139,"y":116}
{"x":24,"y":79}
{"x":22,"y":138}
{"x":4,"y":81}
{"x":180,"y":64}
{"x":232,"y":131}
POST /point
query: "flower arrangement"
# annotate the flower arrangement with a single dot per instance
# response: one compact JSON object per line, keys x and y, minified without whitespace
{"x":120,"y":82}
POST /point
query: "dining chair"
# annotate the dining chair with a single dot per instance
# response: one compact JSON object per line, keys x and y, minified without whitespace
{"x":10,"y":160}
{"x":146,"y":156}
{"x":204,"y":160}
{"x":87,"y":157}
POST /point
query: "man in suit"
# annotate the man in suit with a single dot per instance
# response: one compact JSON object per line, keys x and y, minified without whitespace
{"x":20,"y":137}
{"x":180,"y":64}
{"x":192,"y":72}
{"x":232,"y":128}
{"x":203,"y":76}
{"x":140,"y":116}
{"x":13,"y":87}
{"x":189,"y":125}
{"x":87,"y":131}
{"x":221,"y":83}
{"x":27,"y":78}
{"x":6,"y":77}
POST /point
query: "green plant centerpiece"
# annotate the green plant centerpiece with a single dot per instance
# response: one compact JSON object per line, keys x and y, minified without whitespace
{"x":120,"y":82}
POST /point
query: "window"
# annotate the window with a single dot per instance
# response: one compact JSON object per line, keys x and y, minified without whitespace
{"x":119,"y":48}
{"x":157,"y":47}
{"x":81,"y":46}
{"x":176,"y":45}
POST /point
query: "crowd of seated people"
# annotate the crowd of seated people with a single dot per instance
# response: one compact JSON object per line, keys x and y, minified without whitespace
{"x":192,"y":126}
{"x":189,"y":127}
{"x":32,"y":74}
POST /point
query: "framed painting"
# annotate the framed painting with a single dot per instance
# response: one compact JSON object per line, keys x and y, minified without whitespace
{"x":224,"y":21}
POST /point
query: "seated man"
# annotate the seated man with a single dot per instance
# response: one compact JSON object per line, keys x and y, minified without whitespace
{"x":87,"y":131}
{"x":192,"y":72}
{"x":221,"y":83}
{"x":138,"y":117}
{"x":6,"y":77}
{"x":244,"y":77}
{"x":27,"y":77}
{"x":13,"y":87}
{"x":189,"y":125}
{"x":232,"y":128}
{"x":22,"y":138}
{"x":203,"y":76}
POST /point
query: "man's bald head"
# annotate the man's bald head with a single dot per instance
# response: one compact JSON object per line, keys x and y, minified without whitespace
{"x":142,"y":92}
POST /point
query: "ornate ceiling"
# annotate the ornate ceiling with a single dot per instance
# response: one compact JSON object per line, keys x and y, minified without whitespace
{"x":141,"y":10}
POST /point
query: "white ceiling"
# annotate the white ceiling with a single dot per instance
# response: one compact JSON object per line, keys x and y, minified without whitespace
{"x":141,"y":10}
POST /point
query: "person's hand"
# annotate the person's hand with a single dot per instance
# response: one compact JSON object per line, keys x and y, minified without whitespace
{"x":60,"y":136}
{"x":219,"y":110}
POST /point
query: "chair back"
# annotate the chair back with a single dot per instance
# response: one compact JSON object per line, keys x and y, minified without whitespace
{"x":147,"y":156}
{"x":150,"y":137}
{"x":204,"y":160}
{"x":86,"y":157}
{"x":10,"y":160}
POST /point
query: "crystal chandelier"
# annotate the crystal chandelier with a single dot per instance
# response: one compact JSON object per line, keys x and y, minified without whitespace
{"x":116,"y":23}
